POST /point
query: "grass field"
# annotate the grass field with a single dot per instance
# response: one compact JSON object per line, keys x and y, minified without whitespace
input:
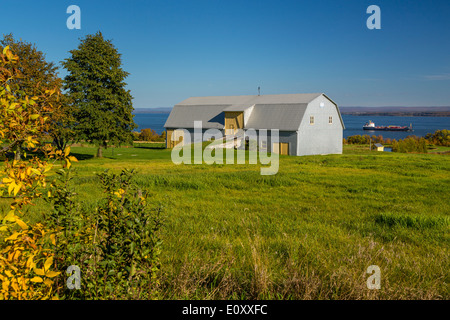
{"x":308,"y":232}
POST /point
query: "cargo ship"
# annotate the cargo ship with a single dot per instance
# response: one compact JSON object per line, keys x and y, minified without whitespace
{"x":371,"y":126}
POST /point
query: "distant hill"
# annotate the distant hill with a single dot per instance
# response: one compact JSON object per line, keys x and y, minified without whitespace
{"x":152,"y":110}
{"x":397,"y":111}
{"x":357,"y":111}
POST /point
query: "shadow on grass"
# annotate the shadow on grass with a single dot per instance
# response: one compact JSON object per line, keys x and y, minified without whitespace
{"x":150,"y":146}
{"x":82,"y":156}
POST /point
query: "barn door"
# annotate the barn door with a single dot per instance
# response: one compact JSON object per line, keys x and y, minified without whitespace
{"x":276,"y":147}
{"x":280,"y":148}
{"x":284,"y":149}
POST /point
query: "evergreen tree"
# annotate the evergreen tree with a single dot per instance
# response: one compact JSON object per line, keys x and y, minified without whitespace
{"x":96,"y":85}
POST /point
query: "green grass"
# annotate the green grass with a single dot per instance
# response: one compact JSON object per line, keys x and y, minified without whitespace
{"x":308,"y":232}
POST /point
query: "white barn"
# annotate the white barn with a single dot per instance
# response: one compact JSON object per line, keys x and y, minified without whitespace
{"x":308,"y":123}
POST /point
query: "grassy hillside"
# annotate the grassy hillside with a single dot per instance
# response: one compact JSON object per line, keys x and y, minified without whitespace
{"x":309,"y":232}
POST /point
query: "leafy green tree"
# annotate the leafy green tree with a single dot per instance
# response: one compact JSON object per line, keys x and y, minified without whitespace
{"x":147,"y":135}
{"x":96,"y":84}
{"x":37,"y":76}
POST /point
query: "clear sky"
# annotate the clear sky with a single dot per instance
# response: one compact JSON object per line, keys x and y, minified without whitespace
{"x":174,"y":49}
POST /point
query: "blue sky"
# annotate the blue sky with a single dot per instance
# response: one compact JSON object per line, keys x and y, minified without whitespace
{"x":175,"y":49}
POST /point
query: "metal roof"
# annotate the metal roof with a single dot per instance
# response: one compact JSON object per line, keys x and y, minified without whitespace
{"x":251,"y":100}
{"x":183,"y":116}
{"x":238,"y":107}
{"x":281,"y":111}
{"x":284,"y":117}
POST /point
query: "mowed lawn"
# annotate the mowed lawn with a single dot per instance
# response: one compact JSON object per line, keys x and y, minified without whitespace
{"x":308,"y":232}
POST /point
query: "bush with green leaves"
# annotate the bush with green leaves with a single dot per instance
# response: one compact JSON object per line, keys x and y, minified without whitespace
{"x":116,"y":246}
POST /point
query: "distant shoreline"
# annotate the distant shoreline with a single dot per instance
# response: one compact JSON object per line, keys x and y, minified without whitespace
{"x":151,"y":110}
{"x":400,"y":114}
{"x":397,"y":111}
{"x":354,"y":111}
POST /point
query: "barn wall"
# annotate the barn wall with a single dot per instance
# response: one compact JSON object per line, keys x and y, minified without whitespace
{"x":320,"y":137}
{"x":169,"y":142}
{"x":194,"y":139}
{"x":289,"y":137}
{"x":234,"y":118}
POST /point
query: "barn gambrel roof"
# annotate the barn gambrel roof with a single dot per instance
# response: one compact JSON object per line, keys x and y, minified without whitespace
{"x":281,"y":111}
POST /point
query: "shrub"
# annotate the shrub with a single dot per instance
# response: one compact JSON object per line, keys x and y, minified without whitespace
{"x":439,"y":138}
{"x":149,"y":135}
{"x":116,"y":247}
{"x":410,"y":144}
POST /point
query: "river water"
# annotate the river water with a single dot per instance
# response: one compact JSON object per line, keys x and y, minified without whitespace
{"x":353,"y":124}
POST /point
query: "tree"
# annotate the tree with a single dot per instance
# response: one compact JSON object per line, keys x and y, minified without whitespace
{"x":147,"y":135}
{"x":23,"y":119}
{"x":24,"y":246}
{"x":95,"y":83}
{"x":36,"y":77}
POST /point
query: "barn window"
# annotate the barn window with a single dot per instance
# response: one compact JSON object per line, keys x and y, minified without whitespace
{"x":330,"y":119}
{"x":311,"y":120}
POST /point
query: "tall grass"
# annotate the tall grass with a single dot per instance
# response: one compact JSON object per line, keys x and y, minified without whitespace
{"x":308,"y":232}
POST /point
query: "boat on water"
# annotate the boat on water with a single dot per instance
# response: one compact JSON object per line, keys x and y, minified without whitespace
{"x":371,"y":126}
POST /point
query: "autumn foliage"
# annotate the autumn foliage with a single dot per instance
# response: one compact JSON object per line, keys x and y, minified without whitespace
{"x":117,"y":243}
{"x":26,"y":256}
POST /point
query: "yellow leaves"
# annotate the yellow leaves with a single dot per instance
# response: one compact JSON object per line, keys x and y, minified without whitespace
{"x":69,"y":159}
{"x":39,"y":272}
{"x":7,"y":180}
{"x":17,"y":187}
{"x":48,"y":263}
{"x":13,"y":237}
{"x":24,"y":247}
{"x":5,"y":50}
{"x":11,"y":217}
{"x":68,"y":163}
{"x":35,"y":171}
{"x":9,"y":55}
{"x":119,"y":193}
{"x":22,"y":224}
{"x":19,"y":276}
{"x":13,"y":187}
{"x":53,"y":239}
{"x":36,"y":279}
{"x":45,"y":271}
{"x":52,"y":274}
{"x":30,"y":264}
{"x":15,"y":286}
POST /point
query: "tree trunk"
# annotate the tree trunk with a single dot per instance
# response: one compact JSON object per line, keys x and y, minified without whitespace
{"x":100,"y":152}
{"x":17,"y":153}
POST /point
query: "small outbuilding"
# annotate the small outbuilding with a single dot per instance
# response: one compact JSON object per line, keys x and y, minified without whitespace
{"x":379,"y":147}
